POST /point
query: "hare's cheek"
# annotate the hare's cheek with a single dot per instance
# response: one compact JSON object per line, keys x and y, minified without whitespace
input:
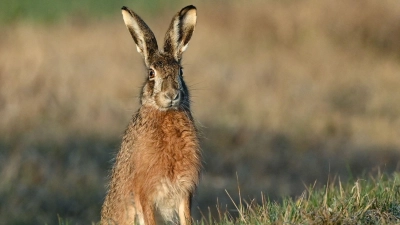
{"x":150,"y":86}
{"x":157,"y":85}
{"x":160,"y":101}
{"x":148,"y":90}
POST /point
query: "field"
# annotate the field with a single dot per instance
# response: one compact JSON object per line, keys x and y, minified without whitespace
{"x":285,"y":93}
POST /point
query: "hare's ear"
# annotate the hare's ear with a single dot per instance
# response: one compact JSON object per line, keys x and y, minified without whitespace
{"x":142,"y":35}
{"x":180,"y":31}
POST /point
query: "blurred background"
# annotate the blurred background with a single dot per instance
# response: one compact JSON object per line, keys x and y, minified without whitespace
{"x":285,"y":93}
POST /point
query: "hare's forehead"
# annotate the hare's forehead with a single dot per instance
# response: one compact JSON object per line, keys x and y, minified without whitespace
{"x":165,"y":65}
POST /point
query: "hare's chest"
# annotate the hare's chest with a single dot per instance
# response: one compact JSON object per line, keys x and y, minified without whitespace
{"x":167,"y":153}
{"x":174,"y":161}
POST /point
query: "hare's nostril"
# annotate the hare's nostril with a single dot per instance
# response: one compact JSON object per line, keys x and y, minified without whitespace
{"x":176,"y":96}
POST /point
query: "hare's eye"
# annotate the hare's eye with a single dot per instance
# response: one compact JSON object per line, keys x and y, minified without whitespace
{"x":151,"y":74}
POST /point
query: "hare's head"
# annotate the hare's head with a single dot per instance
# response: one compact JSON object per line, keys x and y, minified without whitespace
{"x":164,"y":87}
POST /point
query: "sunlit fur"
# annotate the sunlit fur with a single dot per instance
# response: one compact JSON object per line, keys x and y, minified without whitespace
{"x":158,"y":164}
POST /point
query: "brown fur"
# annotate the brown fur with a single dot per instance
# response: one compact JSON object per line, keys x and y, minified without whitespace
{"x":158,"y":165}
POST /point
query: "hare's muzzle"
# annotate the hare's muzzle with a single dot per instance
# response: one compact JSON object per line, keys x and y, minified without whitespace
{"x":171,"y":98}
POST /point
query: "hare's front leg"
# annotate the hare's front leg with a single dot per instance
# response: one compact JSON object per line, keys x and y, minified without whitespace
{"x":131,"y":214}
{"x":146,"y":217}
{"x":184,"y":211}
{"x":139,"y":211}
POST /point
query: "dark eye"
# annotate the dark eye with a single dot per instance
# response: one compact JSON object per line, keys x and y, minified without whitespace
{"x":181,"y":71}
{"x":151,"y":74}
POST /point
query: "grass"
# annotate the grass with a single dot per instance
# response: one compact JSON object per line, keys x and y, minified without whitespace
{"x":285,"y":92}
{"x":374,"y":200}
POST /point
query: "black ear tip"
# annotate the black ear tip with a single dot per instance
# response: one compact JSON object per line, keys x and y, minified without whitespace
{"x":126,"y":9}
{"x":189,"y":7}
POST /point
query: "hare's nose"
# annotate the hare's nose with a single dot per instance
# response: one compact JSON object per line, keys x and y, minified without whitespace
{"x":172,"y":95}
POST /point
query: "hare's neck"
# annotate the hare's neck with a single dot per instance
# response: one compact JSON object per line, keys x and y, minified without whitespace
{"x":156,"y":118}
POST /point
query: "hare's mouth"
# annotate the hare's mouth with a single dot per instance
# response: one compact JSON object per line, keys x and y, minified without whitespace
{"x":163,"y":108}
{"x":166,"y":102}
{"x":171,"y":105}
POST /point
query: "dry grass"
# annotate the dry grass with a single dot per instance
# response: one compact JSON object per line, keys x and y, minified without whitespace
{"x":285,"y":91}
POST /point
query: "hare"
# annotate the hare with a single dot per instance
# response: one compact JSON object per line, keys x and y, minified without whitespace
{"x":158,"y":164}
